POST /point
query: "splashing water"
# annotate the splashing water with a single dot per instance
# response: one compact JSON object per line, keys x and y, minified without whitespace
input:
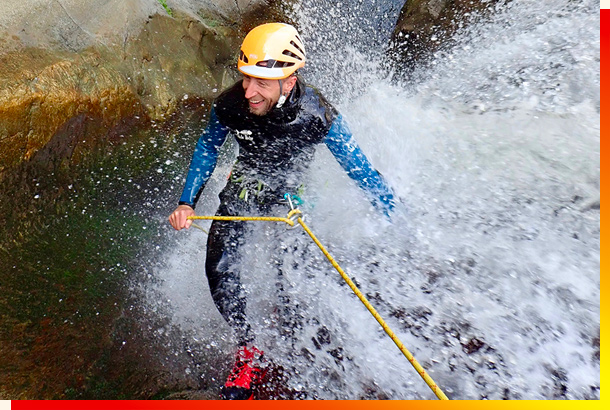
{"x":491,"y":278}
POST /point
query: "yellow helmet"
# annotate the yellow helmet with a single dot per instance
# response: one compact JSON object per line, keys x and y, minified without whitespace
{"x":271,"y":51}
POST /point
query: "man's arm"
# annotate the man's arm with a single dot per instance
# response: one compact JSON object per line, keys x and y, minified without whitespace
{"x":200,"y":170}
{"x":342,"y":145}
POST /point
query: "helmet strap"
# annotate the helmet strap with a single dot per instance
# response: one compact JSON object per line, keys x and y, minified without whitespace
{"x":282,"y":98}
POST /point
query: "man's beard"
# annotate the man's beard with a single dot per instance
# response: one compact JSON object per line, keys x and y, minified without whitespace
{"x":259,"y":112}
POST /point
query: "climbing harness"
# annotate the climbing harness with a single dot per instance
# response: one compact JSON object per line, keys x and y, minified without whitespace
{"x":296,"y":216}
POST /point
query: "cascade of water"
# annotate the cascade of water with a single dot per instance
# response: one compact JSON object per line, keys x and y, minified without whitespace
{"x":492,"y":278}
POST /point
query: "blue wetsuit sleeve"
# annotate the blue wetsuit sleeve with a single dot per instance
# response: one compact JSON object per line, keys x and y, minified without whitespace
{"x":204,"y":160}
{"x":342,"y":145}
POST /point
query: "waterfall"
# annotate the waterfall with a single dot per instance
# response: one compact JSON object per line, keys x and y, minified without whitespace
{"x":490,"y":271}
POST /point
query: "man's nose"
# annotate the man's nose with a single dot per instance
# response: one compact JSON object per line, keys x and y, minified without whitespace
{"x":251,"y":90}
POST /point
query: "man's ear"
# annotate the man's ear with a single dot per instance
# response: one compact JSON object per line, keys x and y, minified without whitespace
{"x":289,"y":84}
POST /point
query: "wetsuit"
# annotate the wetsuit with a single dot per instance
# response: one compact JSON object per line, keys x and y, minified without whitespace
{"x":274,"y":150}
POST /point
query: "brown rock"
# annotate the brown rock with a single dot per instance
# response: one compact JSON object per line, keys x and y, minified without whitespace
{"x":87,"y":68}
{"x":424,"y":26}
{"x":42,"y":91}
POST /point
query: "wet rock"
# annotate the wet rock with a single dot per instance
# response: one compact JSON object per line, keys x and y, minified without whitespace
{"x":473,"y":345}
{"x":43,"y":94}
{"x":371,"y":391}
{"x":425,"y":26}
{"x":76,"y":99}
{"x":308,"y":355}
{"x":415,"y":319}
{"x":323,"y":336}
{"x":75,"y":78}
{"x":595,"y":343}
{"x":337,"y":354}
{"x":81,"y":69}
{"x":211,"y":394}
{"x":73,"y":25}
{"x":559,"y":379}
{"x":275,"y":386}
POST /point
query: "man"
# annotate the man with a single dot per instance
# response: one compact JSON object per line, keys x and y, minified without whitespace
{"x":278,"y":122}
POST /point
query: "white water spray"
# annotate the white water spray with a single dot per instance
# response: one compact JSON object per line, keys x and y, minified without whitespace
{"x":492,"y":279}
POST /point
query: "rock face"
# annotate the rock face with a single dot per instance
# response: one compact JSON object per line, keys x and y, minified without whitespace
{"x":76,"y":71}
{"x":424,"y":26}
{"x":95,"y":97}
{"x":77,"y":24}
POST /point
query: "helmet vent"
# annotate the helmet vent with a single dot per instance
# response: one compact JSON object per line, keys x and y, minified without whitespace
{"x":295,"y":45}
{"x":274,"y":63}
{"x":284,"y":64}
{"x":291,"y":54}
{"x":243,"y":57}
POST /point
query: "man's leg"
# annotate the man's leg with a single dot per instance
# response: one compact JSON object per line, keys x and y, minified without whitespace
{"x":228,"y":294}
{"x":225,"y":285}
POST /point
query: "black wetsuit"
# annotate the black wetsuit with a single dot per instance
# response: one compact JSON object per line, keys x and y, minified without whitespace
{"x":274,"y":150}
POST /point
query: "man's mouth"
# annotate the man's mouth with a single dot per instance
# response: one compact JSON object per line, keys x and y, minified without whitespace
{"x":255,"y":102}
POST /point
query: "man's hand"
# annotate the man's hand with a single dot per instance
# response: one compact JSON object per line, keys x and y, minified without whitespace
{"x":178,"y":218}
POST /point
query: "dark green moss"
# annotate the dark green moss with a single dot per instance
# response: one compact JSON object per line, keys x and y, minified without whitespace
{"x":75,"y":238}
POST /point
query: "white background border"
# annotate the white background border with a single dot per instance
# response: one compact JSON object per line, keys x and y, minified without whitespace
{"x":604,"y":4}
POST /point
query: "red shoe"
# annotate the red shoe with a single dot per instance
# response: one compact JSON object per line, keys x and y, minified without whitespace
{"x":246,"y":373}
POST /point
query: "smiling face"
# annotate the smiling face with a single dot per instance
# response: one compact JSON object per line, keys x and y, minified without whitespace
{"x":262,"y":94}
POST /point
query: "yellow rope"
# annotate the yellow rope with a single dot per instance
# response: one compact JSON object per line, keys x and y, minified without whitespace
{"x":290,"y":221}
{"x":244,"y":218}
{"x":439,"y":393}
